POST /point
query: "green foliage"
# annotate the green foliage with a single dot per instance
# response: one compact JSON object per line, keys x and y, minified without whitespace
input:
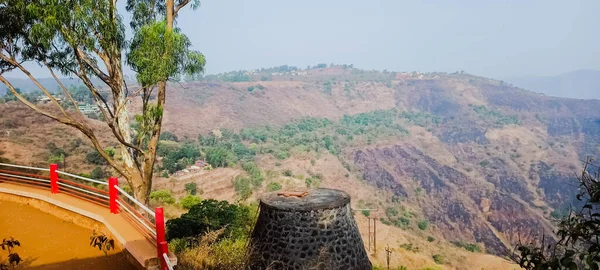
{"x":439,"y":259}
{"x":95,"y":158}
{"x":312,"y":182}
{"x":227,"y":154}
{"x":168,"y":136}
{"x":158,"y":55}
{"x":409,"y":247}
{"x":288,"y":173}
{"x":468,"y":246}
{"x":423,"y":225}
{"x":191,"y":188}
{"x":484,"y":163}
{"x":162,"y":196}
{"x":97,"y":173}
{"x":402,"y":222}
{"x":211,"y":215}
{"x":391,"y":212}
{"x":189,"y":201}
{"x":242,"y":187}
{"x":495,"y":116}
{"x":177,"y":156}
{"x":273,"y":186}
{"x":366,"y":213}
{"x":430,"y":239}
{"x":422,"y":119}
{"x":385,"y":221}
{"x":255,"y":174}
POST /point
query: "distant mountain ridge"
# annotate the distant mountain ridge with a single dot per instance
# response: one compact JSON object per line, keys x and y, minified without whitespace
{"x":580,"y":84}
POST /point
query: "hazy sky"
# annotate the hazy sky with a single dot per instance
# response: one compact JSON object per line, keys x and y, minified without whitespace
{"x":484,"y":37}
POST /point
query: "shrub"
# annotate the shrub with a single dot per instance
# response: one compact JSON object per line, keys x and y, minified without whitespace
{"x":191,"y":188}
{"x":95,"y":158}
{"x":402,"y":222}
{"x":391,"y":212}
{"x":484,"y":163}
{"x":438,"y":258}
{"x":97,"y":173}
{"x":211,"y":215}
{"x":162,"y":196}
{"x":366,"y":213}
{"x":430,"y":239}
{"x":273,"y":186}
{"x":242,"y":188}
{"x":168,"y":136}
{"x":288,"y":173}
{"x":190,"y":200}
{"x":423,"y":225}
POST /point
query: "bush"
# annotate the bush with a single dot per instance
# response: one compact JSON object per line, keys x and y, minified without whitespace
{"x":366,"y":213}
{"x":391,"y":212}
{"x":211,"y":215}
{"x":430,"y":239}
{"x":162,"y":196}
{"x":423,"y":225}
{"x":191,"y":188}
{"x":241,"y":185}
{"x":273,"y":186}
{"x":484,"y":163}
{"x":95,"y":158}
{"x":97,"y":173}
{"x":438,"y":258}
{"x":288,"y":173}
{"x":189,"y":201}
{"x":402,"y":222}
{"x":168,"y":136}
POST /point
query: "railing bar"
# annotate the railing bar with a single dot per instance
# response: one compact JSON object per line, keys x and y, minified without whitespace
{"x":24,"y":177}
{"x":168,"y":261}
{"x":83,"y":186}
{"x":83,"y":178}
{"x":139,"y":228}
{"x":127,"y":205}
{"x":83,"y":190}
{"x":26,"y":174}
{"x":136,"y":202}
{"x":24,"y":167}
{"x":139,"y":220}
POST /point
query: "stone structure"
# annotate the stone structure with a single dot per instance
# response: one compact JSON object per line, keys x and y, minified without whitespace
{"x":317,"y":231}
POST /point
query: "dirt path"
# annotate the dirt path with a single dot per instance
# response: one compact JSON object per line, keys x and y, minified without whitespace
{"x":51,"y":243}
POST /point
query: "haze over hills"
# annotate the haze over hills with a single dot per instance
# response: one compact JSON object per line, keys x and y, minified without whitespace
{"x":481,"y":162}
{"x":580,"y":84}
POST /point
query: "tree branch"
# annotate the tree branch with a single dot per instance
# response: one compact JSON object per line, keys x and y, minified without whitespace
{"x":83,"y":56}
{"x":43,"y":89}
{"x":180,"y":6}
{"x":62,"y":86}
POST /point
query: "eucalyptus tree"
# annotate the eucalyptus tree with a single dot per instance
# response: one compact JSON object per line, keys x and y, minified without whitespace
{"x":86,"y":39}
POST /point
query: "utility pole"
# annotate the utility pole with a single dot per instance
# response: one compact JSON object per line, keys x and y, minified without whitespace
{"x":375,"y":235}
{"x":369,"y":221}
{"x":388,"y":255}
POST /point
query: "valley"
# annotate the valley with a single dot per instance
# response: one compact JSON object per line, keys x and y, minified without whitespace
{"x":470,"y":162}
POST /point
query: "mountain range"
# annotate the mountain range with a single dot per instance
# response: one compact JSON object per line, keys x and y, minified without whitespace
{"x":478,"y":161}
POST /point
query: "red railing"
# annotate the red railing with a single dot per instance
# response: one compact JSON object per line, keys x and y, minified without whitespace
{"x":151,"y":224}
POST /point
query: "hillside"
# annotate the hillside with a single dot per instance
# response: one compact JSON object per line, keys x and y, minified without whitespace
{"x":459,"y":158}
{"x":582,"y":84}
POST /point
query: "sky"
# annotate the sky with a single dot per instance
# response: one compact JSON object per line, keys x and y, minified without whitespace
{"x":492,"y":38}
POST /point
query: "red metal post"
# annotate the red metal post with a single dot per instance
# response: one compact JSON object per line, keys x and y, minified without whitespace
{"x":54,"y":178}
{"x":113,"y":193}
{"x":164,"y":247}
{"x":160,"y":236}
